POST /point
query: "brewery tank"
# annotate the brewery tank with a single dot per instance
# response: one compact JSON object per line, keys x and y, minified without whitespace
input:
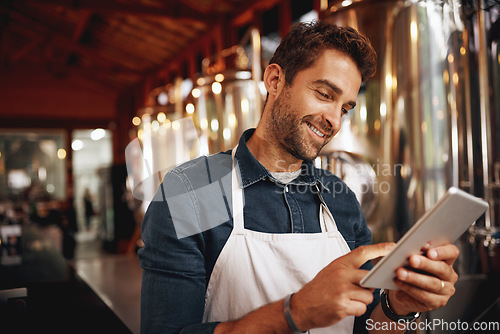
{"x":415,"y":125}
{"x":427,"y":120}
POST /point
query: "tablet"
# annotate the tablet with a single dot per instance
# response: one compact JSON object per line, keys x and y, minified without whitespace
{"x":450,"y":217}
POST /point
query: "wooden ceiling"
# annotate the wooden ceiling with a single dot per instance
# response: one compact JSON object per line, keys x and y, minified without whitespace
{"x":83,"y":64}
{"x":110,"y":44}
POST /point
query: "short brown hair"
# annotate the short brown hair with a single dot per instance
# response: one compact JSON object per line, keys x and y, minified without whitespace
{"x":305,"y":43}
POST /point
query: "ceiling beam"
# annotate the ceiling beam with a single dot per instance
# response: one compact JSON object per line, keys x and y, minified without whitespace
{"x":170,"y":8}
{"x":15,"y":57}
{"x":62,"y":42}
{"x":80,"y":28}
{"x":82,"y":25}
{"x":247,"y":14}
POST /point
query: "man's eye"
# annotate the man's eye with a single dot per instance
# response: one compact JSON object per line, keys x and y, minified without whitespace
{"x":344,"y":111}
{"x":324,"y":95}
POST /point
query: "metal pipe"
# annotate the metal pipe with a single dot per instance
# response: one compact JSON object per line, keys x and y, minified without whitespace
{"x":484,"y":107}
{"x":468,"y":121}
{"x":256,"y":66}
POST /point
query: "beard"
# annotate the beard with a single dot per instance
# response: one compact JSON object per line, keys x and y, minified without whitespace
{"x":289,"y":129}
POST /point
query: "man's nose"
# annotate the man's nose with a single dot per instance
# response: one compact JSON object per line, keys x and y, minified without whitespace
{"x":333,"y":118}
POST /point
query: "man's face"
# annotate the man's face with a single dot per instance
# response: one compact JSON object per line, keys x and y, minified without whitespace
{"x":308,"y":113}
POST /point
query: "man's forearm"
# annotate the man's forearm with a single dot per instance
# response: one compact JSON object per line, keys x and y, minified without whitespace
{"x":266,"y":319}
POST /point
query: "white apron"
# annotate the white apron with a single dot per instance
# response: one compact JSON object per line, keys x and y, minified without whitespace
{"x":256,"y":268}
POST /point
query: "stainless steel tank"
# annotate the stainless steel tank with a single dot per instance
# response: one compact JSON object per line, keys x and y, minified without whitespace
{"x":428,"y":120}
{"x":413,"y":124}
{"x":164,"y":137}
{"x":483,"y":27}
{"x":229,"y":94}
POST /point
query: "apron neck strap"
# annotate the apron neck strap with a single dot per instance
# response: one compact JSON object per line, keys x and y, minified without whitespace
{"x":237,"y":196}
{"x":326,"y":220}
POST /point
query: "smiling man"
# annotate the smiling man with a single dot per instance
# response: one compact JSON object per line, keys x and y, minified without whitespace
{"x":287,"y":245}
{"x":304,"y":116}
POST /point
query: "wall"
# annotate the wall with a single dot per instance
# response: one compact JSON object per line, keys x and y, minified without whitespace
{"x":35,"y":95}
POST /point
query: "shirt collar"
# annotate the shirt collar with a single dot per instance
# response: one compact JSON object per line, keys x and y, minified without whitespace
{"x":252,"y":171}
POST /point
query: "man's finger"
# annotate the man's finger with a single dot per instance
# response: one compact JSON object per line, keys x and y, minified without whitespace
{"x":355,"y":276}
{"x":362,"y":254}
{"x":447,"y":253}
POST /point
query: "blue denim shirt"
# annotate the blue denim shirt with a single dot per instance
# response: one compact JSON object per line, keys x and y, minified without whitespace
{"x":189,"y":221}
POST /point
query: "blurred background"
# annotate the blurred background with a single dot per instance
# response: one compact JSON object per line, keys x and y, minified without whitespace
{"x":99,"y":99}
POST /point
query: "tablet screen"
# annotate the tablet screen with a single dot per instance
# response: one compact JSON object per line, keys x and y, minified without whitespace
{"x":450,"y":217}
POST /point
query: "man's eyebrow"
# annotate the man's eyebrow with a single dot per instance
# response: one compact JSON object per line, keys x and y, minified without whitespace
{"x":330,"y":84}
{"x":333,"y":87}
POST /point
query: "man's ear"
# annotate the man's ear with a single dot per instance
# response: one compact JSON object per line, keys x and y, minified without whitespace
{"x":274,"y":79}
